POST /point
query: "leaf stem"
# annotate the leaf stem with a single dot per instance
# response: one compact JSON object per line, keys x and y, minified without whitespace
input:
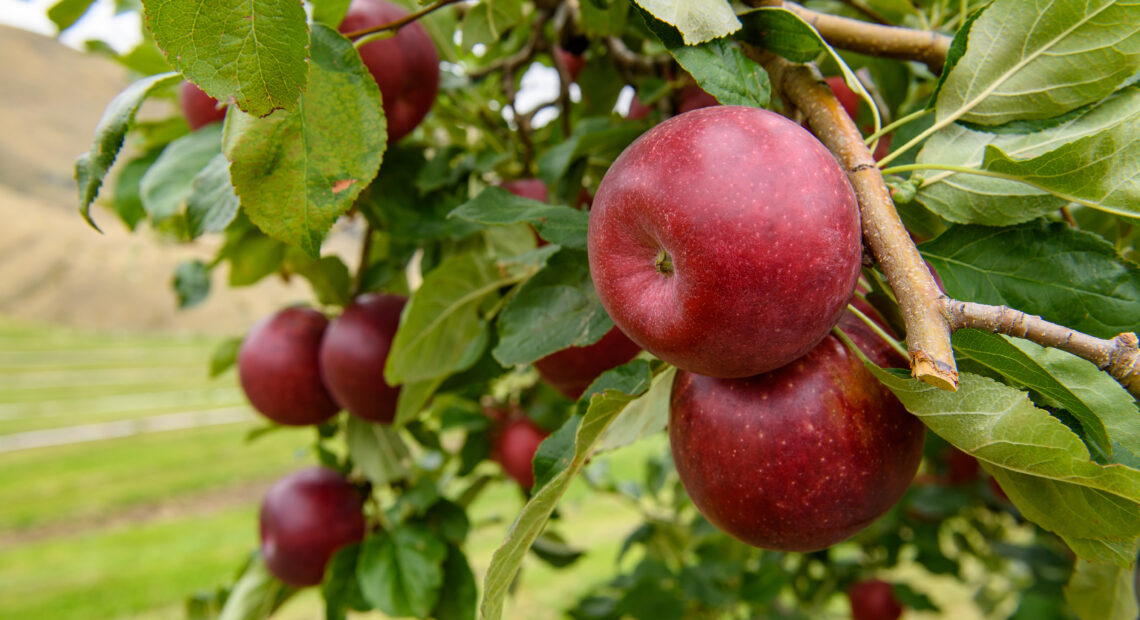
{"x":895,"y":125}
{"x":399,"y":23}
{"x":882,"y":333}
{"x":992,"y":174}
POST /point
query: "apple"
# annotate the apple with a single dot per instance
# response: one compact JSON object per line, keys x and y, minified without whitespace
{"x":305,"y":517}
{"x":574,"y":63}
{"x":725,"y":241}
{"x":961,"y":468}
{"x":694,"y":97}
{"x":847,"y":97}
{"x":873,"y":599}
{"x":199,"y":108}
{"x":279,"y":368}
{"x":405,"y":67}
{"x":353,"y":353}
{"x":572,"y":370}
{"x":638,"y":110}
{"x":534,"y":189}
{"x":800,"y":458}
{"x":514,"y":447}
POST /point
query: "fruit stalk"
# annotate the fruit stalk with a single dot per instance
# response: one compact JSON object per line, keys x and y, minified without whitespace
{"x":925,"y":46}
{"x":928,"y":331}
{"x":1119,"y":356}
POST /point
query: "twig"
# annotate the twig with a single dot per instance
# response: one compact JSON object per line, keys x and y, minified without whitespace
{"x":926,"y":46}
{"x":1119,"y":356}
{"x":400,"y":23}
{"x":928,"y":333}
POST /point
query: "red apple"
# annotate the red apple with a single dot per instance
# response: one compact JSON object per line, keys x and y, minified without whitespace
{"x":574,"y":63}
{"x":572,"y":370}
{"x":405,"y":67}
{"x":534,"y":189}
{"x":725,"y":241}
{"x":694,"y":97}
{"x":514,"y":448}
{"x":638,"y":110}
{"x":353,"y":354}
{"x":847,"y":97}
{"x":873,"y":600}
{"x":279,"y":368}
{"x":800,"y":458}
{"x":305,"y":517}
{"x":199,"y":108}
{"x":961,"y":468}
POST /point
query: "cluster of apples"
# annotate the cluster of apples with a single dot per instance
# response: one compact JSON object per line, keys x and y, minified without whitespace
{"x":727,"y":242}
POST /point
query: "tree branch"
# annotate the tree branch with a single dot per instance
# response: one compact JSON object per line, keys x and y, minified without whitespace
{"x":1119,"y":356}
{"x":927,"y":46}
{"x":928,"y":332}
{"x":399,"y":23}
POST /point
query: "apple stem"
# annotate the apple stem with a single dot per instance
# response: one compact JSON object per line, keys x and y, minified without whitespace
{"x":925,"y":46}
{"x":664,"y":263}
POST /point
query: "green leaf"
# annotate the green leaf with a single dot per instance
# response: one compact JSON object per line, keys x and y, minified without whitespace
{"x":109,"y":133}
{"x":645,"y":416}
{"x":256,"y":595}
{"x":166,"y":186}
{"x":1064,"y":275}
{"x":1102,"y":592}
{"x":486,"y":21}
{"x":1037,"y":60}
{"x":65,"y":13}
{"x":1042,"y":466}
{"x":127,"y":202}
{"x":697,"y":20}
{"x":377,"y":450}
{"x":724,"y":72}
{"x":557,"y":224}
{"x":559,"y":303}
{"x":413,"y":397}
{"x":224,"y":356}
{"x":531,"y":521}
{"x":443,"y":318}
{"x":459,"y":596}
{"x":595,"y":138}
{"x":191,"y":283}
{"x":401,"y":571}
{"x":782,"y":32}
{"x":251,"y":50}
{"x":330,"y":12}
{"x":212,"y":203}
{"x":341,"y":589}
{"x":328,"y":276}
{"x":297,"y":171}
{"x":251,"y":254}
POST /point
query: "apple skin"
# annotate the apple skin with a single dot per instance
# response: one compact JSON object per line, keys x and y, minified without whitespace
{"x":873,"y":599}
{"x":199,"y":108}
{"x":405,"y":67}
{"x":353,"y":353}
{"x":800,"y":458}
{"x":574,"y":63}
{"x":572,"y":370}
{"x":278,"y":365}
{"x":305,"y":517}
{"x":638,"y":110}
{"x":847,"y":97}
{"x":534,"y":189}
{"x":694,"y":97}
{"x":514,"y":448}
{"x":761,"y":228}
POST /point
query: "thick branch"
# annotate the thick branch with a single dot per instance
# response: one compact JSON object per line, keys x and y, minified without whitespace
{"x":399,"y":23}
{"x":926,"y":46}
{"x":928,"y":333}
{"x":1119,"y":356}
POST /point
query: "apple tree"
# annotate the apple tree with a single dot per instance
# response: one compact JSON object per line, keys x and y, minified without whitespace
{"x":548,"y":275}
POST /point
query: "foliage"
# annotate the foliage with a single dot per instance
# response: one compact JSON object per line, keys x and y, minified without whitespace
{"x":1029,"y":125}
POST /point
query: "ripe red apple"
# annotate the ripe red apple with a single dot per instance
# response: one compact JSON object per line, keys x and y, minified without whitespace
{"x":873,"y":599}
{"x":305,"y":517}
{"x":725,"y":241}
{"x":572,"y":370}
{"x":961,"y":468}
{"x":514,"y":448}
{"x":534,"y":189}
{"x":353,"y":353}
{"x":405,"y":67}
{"x":638,"y":110}
{"x":694,"y":97}
{"x":574,"y":63}
{"x":800,"y":458}
{"x":847,"y":97}
{"x":279,"y":368}
{"x":199,"y":108}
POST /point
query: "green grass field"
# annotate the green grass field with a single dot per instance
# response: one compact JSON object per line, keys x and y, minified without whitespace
{"x":128,"y":527}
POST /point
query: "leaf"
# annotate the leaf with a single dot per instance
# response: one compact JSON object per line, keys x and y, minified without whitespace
{"x":191,"y":283}
{"x":401,"y":571}
{"x":698,"y":20}
{"x":330,"y":12}
{"x":559,"y":303}
{"x":593,"y":138}
{"x":557,"y":224}
{"x":460,"y":595}
{"x":65,"y":13}
{"x":645,"y":416}
{"x":724,"y":72}
{"x":224,"y":356}
{"x":166,"y":186}
{"x":341,"y":589}
{"x":109,"y":133}
{"x":1102,"y":592}
{"x":442,"y":318}
{"x":531,"y":521}
{"x":1042,"y":466}
{"x":1038,"y":60}
{"x":486,"y":21}
{"x":212,"y":203}
{"x":297,"y":171}
{"x":377,"y":450}
{"x":252,"y":50}
{"x":256,"y":595}
{"x":1064,"y":275}
{"x":413,"y":397}
{"x":328,"y":276}
{"x":126,"y":194}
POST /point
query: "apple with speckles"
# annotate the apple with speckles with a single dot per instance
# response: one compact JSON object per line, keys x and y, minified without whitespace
{"x":572,"y":370}
{"x":800,"y":458}
{"x":725,"y":241}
